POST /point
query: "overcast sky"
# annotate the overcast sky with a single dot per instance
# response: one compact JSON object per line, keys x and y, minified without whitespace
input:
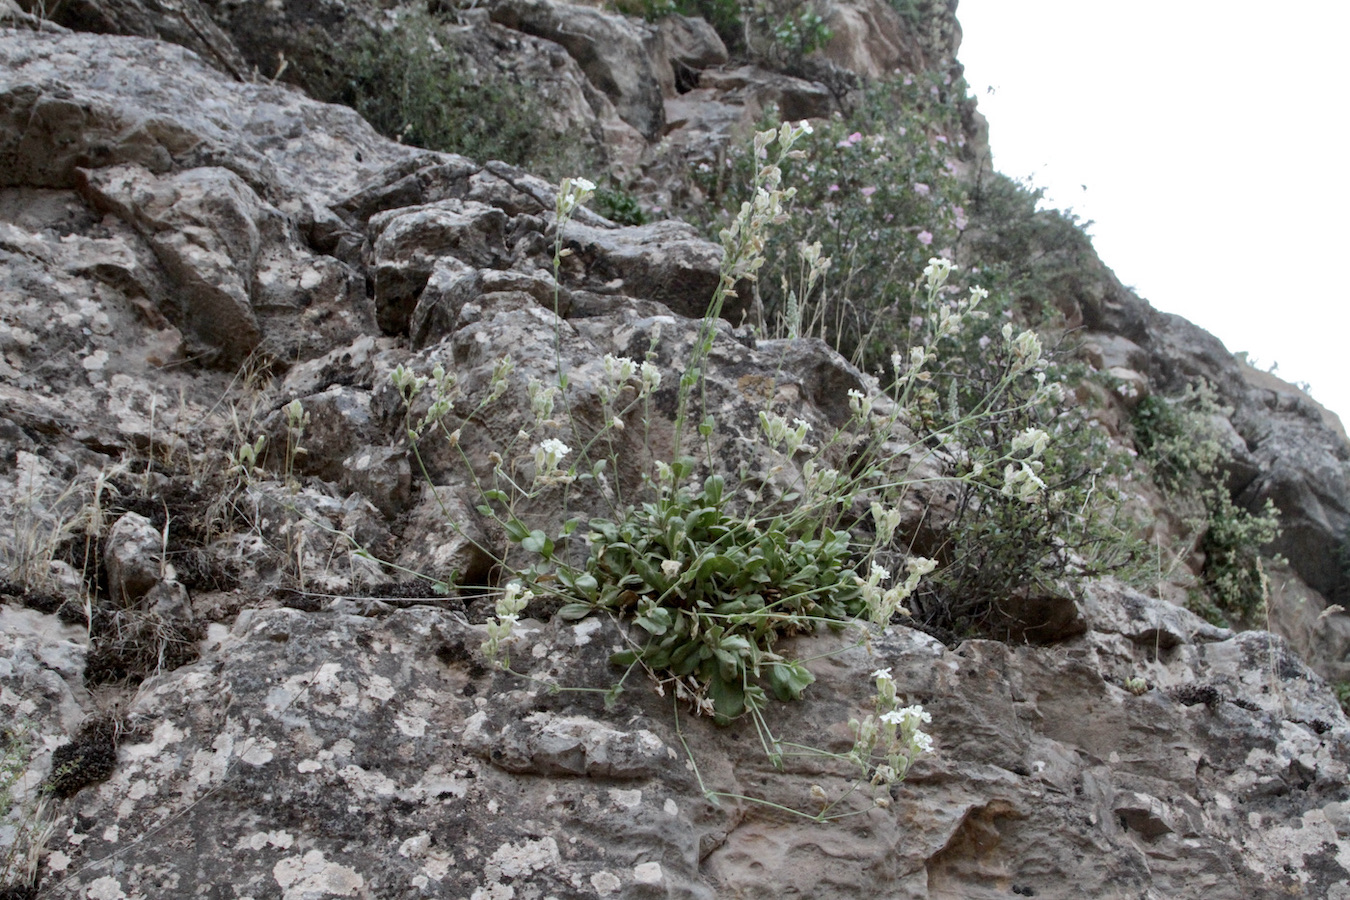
{"x":1206,"y":139}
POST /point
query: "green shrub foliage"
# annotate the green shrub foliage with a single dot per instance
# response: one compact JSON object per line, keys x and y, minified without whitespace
{"x":413,"y":85}
{"x":1180,"y":438}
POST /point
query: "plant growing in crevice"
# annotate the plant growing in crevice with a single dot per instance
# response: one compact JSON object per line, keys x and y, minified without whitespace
{"x":706,"y":569}
{"x":1181,"y":439}
{"x":412,"y":84}
{"x":27,"y":819}
{"x":1038,"y":525}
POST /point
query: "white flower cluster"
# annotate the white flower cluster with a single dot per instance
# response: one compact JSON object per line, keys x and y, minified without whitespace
{"x":619,"y":370}
{"x":548,"y":455}
{"x":887,"y":520}
{"x":1021,"y":481}
{"x":935,"y":274}
{"x":541,"y":399}
{"x":882,"y":605}
{"x":743,"y":241}
{"x":1021,"y":478}
{"x":1033,"y":439}
{"x":816,"y":265}
{"x":820,"y":482}
{"x":896,"y":732}
{"x":409,"y":385}
{"x":1026,"y":349}
{"x":573,"y":192}
{"x":778,"y":432}
{"x":860,"y":403}
{"x":501,"y":377}
{"x":509,"y":606}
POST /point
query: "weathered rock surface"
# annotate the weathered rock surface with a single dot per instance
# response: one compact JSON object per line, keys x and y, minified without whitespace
{"x":338,"y":734}
{"x":375,"y":757}
{"x":1286,"y":448}
{"x":614,"y":52}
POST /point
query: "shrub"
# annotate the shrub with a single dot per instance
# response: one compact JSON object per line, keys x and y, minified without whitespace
{"x":412,"y":85}
{"x":885,"y":199}
{"x":997,"y":545}
{"x":619,"y":206}
{"x":1180,"y":438}
{"x":1034,"y":255}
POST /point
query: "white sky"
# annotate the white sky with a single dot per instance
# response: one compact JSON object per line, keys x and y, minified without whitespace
{"x":1211,"y":137}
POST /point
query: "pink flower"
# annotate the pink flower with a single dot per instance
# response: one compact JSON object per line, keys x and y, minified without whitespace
{"x":961,"y":222}
{"x":920,"y":188}
{"x":925,"y":238}
{"x":888,"y":217}
{"x":832,"y":188}
{"x":942,"y":139}
{"x":868,"y":191}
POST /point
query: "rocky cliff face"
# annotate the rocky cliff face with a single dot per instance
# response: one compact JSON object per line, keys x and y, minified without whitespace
{"x":211,"y":687}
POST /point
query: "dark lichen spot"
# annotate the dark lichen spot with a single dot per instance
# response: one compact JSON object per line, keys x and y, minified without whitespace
{"x":1195,"y":694}
{"x":88,"y":759}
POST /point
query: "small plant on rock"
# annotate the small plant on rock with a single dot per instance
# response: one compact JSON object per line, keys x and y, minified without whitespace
{"x":26,"y":819}
{"x":710,"y":570}
{"x":1181,"y":438}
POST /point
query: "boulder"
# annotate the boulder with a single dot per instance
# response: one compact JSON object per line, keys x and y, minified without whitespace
{"x":391,"y":757}
{"x":183,"y":22}
{"x":614,"y":52}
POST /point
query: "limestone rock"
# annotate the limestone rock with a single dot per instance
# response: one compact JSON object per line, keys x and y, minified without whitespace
{"x":665,"y":261}
{"x":342,"y":734}
{"x":407,"y":243}
{"x":614,"y":52}
{"x":183,"y":22}
{"x":688,"y":45}
{"x":446,"y":792}
{"x":87,"y":101}
{"x":134,"y":558}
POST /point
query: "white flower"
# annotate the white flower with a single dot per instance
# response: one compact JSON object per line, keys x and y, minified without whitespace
{"x":860,"y":403}
{"x":920,"y":566}
{"x":618,"y":369}
{"x":1033,"y":439}
{"x":937,"y":270}
{"x":882,"y":673}
{"x":547,"y":456}
{"x":671,"y":567}
{"x":1021,"y":481}
{"x":651,"y":377}
{"x":917,"y":713}
{"x":887,"y":520}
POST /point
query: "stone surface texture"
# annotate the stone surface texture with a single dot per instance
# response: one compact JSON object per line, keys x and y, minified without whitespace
{"x":184,"y":253}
